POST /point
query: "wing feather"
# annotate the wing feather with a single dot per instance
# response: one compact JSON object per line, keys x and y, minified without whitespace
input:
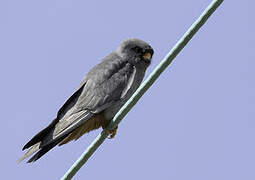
{"x":105,"y":84}
{"x":102,"y":89}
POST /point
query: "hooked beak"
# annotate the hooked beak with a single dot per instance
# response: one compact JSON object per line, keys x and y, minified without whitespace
{"x":147,"y":56}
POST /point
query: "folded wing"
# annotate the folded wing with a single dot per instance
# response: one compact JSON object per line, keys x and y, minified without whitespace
{"x":103,"y":86}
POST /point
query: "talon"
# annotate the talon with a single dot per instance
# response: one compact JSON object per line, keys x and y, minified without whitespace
{"x":112,"y":133}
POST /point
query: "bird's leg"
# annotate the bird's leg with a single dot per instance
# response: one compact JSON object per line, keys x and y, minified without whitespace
{"x":112,"y":133}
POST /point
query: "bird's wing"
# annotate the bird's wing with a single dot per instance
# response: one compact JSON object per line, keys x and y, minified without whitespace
{"x":106,"y":84}
{"x":39,"y":137}
{"x":44,"y":141}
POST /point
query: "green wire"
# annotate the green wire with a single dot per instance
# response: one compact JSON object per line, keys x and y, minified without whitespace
{"x":142,"y":89}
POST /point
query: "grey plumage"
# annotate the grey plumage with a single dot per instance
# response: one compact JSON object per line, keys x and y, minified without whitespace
{"x":103,"y":91}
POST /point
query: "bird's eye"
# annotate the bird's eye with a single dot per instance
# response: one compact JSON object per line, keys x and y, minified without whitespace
{"x":137,"y":49}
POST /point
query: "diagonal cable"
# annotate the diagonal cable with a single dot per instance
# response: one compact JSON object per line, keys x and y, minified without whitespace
{"x":143,"y":88}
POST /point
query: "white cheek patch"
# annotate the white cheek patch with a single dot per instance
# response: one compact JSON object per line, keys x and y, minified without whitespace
{"x":129,"y":84}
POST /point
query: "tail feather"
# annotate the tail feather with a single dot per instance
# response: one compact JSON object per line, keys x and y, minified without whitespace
{"x":39,"y":150}
{"x":44,"y":140}
{"x":41,"y":135}
{"x":30,"y":151}
{"x":45,"y":149}
{"x":38,"y":143}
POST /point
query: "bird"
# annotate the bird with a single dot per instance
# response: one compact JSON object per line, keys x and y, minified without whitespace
{"x":100,"y":95}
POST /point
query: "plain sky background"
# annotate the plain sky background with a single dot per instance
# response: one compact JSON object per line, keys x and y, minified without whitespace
{"x":196,"y":122}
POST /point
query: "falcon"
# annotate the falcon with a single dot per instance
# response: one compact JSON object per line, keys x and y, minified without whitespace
{"x":103,"y":91}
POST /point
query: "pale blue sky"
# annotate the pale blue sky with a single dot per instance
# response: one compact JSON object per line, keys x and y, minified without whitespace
{"x":196,"y":122}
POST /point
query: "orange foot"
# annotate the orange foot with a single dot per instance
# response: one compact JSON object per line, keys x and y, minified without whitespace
{"x":112,"y":133}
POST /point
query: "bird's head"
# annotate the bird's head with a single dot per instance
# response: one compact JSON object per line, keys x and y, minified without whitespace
{"x":136,"y":51}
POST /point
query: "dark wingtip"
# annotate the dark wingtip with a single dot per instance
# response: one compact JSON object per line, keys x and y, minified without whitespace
{"x":33,"y":159}
{"x":26,"y":146}
{"x":39,"y":154}
{"x":32,"y":142}
{"x":40,"y":136}
{"x":45,"y":148}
